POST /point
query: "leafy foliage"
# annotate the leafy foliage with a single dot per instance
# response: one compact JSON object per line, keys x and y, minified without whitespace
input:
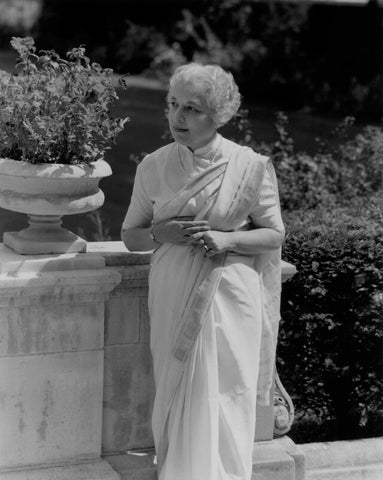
{"x":54,"y":110}
{"x":330,"y":342}
{"x":346,"y":170}
{"x":276,"y":50}
{"x":331,"y":332}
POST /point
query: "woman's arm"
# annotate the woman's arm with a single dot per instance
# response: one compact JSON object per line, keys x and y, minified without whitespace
{"x":176,"y":230}
{"x":250,"y":242}
{"x":137,"y":239}
{"x":255,"y":241}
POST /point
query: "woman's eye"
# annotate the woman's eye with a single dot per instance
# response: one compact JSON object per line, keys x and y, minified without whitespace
{"x":192,"y":109}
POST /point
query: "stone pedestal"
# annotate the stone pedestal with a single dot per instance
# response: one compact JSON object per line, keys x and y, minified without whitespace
{"x":51,"y":366}
{"x":275,"y":457}
{"x":128,"y":377}
{"x":44,"y":235}
{"x":278,"y":459}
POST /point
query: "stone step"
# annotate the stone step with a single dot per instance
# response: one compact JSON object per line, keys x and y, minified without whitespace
{"x":344,"y":460}
{"x":133,"y":466}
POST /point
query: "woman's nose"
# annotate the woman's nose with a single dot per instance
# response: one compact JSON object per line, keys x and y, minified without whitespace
{"x":179,"y":115}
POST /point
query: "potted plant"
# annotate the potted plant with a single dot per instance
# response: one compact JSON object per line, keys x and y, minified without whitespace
{"x":55,"y":127}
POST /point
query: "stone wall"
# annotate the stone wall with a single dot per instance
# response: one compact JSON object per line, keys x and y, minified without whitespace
{"x":76,"y":383}
{"x":52,"y":311}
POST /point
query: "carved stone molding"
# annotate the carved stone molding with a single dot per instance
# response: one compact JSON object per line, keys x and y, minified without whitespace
{"x":283,"y":409}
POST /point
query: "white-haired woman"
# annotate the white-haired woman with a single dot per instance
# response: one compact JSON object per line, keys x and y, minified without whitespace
{"x":209,"y":207}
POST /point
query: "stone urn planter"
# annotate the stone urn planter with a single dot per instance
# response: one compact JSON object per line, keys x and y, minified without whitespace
{"x":56,"y":124}
{"x":46,"y":192}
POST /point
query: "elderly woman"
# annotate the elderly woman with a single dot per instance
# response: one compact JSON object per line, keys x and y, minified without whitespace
{"x":209,"y":208}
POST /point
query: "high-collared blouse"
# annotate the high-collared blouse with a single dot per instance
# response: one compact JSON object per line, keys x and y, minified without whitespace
{"x":164,"y":172}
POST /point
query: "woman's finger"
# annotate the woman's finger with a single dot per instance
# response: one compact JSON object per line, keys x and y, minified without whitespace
{"x":196,"y":237}
{"x":192,"y":230}
{"x":183,"y":219}
{"x":199,"y":223}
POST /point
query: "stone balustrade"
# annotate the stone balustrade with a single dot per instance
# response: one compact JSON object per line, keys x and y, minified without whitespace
{"x":76,"y":386}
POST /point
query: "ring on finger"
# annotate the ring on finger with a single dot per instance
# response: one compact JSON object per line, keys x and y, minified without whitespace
{"x":205,"y":248}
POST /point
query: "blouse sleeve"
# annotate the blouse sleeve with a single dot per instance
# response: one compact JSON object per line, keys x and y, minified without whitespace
{"x":267,"y":212}
{"x":140,"y":211}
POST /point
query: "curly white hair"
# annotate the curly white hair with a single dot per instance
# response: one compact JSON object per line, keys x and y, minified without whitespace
{"x":219,"y":90}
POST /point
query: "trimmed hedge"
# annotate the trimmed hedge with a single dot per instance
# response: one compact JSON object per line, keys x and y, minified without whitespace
{"x":330,"y":342}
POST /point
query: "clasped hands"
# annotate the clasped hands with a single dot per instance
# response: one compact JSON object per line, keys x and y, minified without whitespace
{"x":196,"y":233}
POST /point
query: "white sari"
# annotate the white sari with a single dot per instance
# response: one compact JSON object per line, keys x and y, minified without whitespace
{"x":208,"y":315}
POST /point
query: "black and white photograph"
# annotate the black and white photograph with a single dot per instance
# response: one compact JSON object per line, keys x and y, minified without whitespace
{"x":191,"y":252}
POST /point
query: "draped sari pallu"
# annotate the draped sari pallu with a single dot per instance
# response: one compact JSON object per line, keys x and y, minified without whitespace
{"x":241,"y":174}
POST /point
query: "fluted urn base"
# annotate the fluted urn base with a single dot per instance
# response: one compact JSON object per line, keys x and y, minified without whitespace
{"x":46,"y":192}
{"x":44,"y":235}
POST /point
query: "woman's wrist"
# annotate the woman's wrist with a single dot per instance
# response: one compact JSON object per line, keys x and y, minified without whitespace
{"x":255,"y":241}
{"x":229,"y":241}
{"x":153,"y":238}
{"x":152,"y":235}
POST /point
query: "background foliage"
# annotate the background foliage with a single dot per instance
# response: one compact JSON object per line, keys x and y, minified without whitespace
{"x":330,"y":342}
{"x":330,"y":346}
{"x":279,"y":51}
{"x":345,"y":168}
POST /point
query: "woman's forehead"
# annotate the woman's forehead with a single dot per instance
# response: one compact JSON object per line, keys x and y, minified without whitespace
{"x":192,"y":90}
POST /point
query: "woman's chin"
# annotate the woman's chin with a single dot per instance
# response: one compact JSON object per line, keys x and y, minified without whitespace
{"x":181,"y":138}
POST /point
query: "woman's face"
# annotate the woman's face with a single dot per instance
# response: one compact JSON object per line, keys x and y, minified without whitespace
{"x":189,"y":119}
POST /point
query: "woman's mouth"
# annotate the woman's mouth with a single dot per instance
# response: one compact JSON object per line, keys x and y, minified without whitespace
{"x":180,"y":130}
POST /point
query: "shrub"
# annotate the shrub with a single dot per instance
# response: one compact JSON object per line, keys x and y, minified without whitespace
{"x":330,"y":345}
{"x":343,"y":171}
{"x":55,"y":110}
{"x":361,"y":163}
